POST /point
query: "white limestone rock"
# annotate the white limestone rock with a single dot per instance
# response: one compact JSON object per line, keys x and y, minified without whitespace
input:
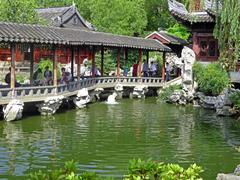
{"x":13,"y":111}
{"x":82,"y":98}
{"x":97,"y":92}
{"x":50,"y":105}
{"x":118,"y":88}
{"x":139,"y":91}
{"x":112,"y":98}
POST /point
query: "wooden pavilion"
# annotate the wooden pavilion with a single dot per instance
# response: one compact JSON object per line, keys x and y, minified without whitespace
{"x":64,"y":17}
{"x":77,"y":40}
{"x":201,"y":23}
{"x":174,"y":43}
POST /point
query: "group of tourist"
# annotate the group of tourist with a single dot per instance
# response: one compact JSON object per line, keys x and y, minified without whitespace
{"x":48,"y":77}
{"x":44,"y":79}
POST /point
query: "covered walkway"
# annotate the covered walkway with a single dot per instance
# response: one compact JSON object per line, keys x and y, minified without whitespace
{"x":33,"y":35}
{"x":57,"y":38}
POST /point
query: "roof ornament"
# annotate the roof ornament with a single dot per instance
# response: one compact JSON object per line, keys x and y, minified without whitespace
{"x":73,"y":4}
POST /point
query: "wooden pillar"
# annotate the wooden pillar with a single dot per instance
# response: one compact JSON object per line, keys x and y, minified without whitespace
{"x":118,"y":62}
{"x":140,"y":63}
{"x":72,"y":61}
{"x":13,"y":59}
{"x":93,"y":62}
{"x":163,"y":66}
{"x":55,"y":61}
{"x":31,"y":62}
{"x":147,"y":56}
{"x":102,"y":58}
{"x":78,"y":64}
{"x":125,"y":56}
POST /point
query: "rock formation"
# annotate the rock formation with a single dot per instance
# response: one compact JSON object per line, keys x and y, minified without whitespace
{"x":50,"y":105}
{"x":13,"y":111}
{"x":82,"y":98}
{"x":139,"y":91}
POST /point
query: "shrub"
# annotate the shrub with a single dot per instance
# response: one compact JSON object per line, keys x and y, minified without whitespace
{"x":167,"y":92}
{"x":235,"y":98}
{"x":149,"y":169}
{"x":47,"y":62}
{"x":67,"y":173}
{"x":211,"y":79}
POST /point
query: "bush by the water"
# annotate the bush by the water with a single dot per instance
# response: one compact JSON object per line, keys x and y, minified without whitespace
{"x":168,"y":91}
{"x":138,"y":170}
{"x":235,"y":98}
{"x":211,"y":78}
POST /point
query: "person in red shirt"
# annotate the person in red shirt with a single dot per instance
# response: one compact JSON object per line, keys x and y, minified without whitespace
{"x":135,"y":69}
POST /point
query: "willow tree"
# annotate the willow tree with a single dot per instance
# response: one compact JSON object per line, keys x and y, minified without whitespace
{"x":227,"y":31}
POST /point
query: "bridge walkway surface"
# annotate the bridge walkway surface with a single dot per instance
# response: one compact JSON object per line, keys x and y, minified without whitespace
{"x":40,"y":93}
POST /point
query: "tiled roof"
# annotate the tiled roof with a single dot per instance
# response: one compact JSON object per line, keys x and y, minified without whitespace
{"x":179,"y":11}
{"x":172,"y":39}
{"x":22,"y":33}
{"x":211,"y":7}
{"x":11,"y":32}
{"x":169,"y":38}
{"x":57,"y":16}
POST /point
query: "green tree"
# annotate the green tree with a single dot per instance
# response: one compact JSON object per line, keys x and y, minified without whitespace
{"x":227,"y":32}
{"x":126,"y":17}
{"x":158,"y":15}
{"x":19,"y":11}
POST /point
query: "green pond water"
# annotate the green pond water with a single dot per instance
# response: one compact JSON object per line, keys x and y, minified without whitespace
{"x":103,"y":138}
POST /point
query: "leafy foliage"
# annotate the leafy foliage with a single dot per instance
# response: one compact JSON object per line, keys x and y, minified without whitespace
{"x":227,"y":32}
{"x":168,"y":91}
{"x":158,"y":15}
{"x":179,"y":31}
{"x":235,"y":98}
{"x":47,"y":62}
{"x":211,"y":79}
{"x":139,"y":169}
{"x":120,"y":17}
{"x":20,"y":11}
{"x":67,"y":173}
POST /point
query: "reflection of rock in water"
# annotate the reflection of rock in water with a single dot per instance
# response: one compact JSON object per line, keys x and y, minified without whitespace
{"x":186,"y":125}
{"x":1,"y":112}
{"x":82,"y":119}
{"x":230,"y":131}
{"x":14,"y":134}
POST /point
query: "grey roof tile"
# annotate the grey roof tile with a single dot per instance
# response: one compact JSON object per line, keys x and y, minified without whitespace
{"x":12,"y":32}
{"x":179,"y":11}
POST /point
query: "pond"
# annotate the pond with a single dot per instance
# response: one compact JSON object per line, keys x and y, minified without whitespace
{"x":103,"y":138}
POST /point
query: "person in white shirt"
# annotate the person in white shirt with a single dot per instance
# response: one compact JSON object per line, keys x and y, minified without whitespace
{"x":168,"y":69}
{"x":153,"y":69}
{"x":145,"y":69}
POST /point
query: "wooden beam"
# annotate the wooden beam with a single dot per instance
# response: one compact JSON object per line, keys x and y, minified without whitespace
{"x":163,"y":66}
{"x":78,"y":64}
{"x":31,"y":62}
{"x":118,"y":62}
{"x":140,"y":63}
{"x":72,"y":61}
{"x":147,"y":56}
{"x":55,"y":62}
{"x":125,"y":56}
{"x":13,"y":59}
{"x":93,"y":62}
{"x":102,"y":60}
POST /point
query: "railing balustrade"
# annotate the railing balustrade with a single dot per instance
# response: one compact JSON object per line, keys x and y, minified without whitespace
{"x":42,"y":92}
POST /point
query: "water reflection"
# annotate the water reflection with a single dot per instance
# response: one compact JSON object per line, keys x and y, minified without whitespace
{"x":103,"y":138}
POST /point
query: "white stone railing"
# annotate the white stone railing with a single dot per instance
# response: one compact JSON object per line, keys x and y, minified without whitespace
{"x":39,"y":93}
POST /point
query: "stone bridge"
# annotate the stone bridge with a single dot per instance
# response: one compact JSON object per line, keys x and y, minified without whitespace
{"x":40,"y":93}
{"x":49,"y":98}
